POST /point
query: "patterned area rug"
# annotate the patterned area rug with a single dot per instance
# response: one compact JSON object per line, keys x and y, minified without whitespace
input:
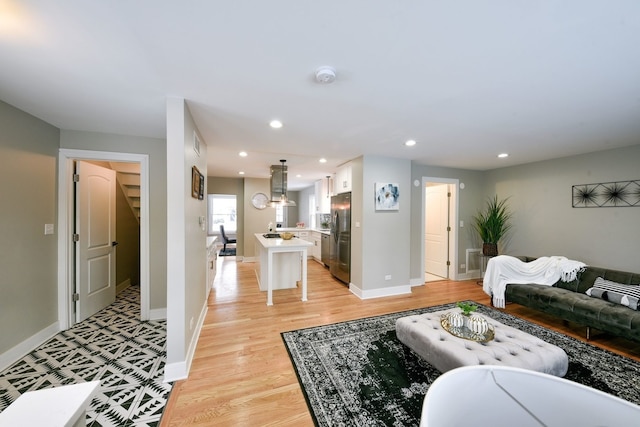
{"x":228,"y":252}
{"x":357,"y":373}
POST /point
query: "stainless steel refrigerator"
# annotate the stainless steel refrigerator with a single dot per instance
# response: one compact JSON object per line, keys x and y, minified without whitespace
{"x":340,"y":253}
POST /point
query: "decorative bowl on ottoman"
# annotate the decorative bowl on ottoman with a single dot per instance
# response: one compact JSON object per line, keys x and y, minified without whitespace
{"x":456,"y":320}
{"x":469,"y":327}
{"x":477,"y":324}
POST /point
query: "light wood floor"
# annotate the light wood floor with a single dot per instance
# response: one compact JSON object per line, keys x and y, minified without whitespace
{"x":241,"y":373}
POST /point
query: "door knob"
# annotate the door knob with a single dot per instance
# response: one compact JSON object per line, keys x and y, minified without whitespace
{"x":114,"y":243}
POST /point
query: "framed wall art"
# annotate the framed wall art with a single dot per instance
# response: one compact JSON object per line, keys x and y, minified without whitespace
{"x":195,"y":182}
{"x":387,"y":196}
{"x":201,"y":192}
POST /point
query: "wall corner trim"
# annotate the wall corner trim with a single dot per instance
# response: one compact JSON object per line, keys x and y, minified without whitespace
{"x":180,"y":370}
{"x":416,"y":282}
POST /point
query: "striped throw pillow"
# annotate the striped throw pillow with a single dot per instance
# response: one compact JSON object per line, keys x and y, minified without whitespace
{"x":618,"y":293}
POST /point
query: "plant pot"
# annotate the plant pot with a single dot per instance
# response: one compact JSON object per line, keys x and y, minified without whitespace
{"x":477,"y":324}
{"x":490,"y":249}
{"x":456,"y":320}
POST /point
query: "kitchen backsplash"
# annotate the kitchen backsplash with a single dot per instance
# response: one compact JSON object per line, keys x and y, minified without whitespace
{"x":323,"y":220}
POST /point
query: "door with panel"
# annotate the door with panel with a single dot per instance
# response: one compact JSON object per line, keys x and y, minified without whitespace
{"x":95,"y":245}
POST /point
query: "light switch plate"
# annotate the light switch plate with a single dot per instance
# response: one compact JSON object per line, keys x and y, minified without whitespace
{"x":48,"y":229}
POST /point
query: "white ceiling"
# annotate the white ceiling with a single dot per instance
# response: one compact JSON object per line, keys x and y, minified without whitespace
{"x":466,"y":79}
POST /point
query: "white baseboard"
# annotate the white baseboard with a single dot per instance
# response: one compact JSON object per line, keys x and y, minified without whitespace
{"x":249,"y":259}
{"x":180,"y":370}
{"x":470,"y":276}
{"x":123,"y":285}
{"x":158,"y":314}
{"x":416,"y":282}
{"x":379,"y":293}
{"x":175,"y":371}
{"x":19,"y":351}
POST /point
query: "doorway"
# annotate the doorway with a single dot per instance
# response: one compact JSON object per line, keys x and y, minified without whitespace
{"x":440,"y":212}
{"x":66,"y":258}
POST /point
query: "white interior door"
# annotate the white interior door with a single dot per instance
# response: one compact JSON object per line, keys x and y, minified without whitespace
{"x":95,"y":248}
{"x":436,"y":239}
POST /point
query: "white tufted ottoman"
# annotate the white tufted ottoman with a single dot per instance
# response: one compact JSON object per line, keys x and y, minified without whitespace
{"x":510,"y":347}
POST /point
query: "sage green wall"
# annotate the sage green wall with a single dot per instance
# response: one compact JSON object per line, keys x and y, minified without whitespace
{"x":469,"y":199}
{"x":292,"y":212}
{"x":544,"y":222}
{"x":186,"y":257}
{"x":255,"y":220}
{"x":250,"y":219}
{"x":383,"y":238}
{"x":195,"y":235}
{"x":232,"y":186}
{"x":156,"y":150}
{"x":28,"y":257}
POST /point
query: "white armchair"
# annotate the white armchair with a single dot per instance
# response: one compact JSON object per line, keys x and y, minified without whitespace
{"x":500,"y":396}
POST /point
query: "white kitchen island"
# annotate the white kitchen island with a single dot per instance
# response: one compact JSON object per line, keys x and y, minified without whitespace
{"x":282,"y":263}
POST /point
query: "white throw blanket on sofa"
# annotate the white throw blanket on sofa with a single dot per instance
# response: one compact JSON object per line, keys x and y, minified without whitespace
{"x":503,"y":269}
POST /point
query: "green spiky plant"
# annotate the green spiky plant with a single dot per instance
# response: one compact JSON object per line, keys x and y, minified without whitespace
{"x":492,"y":224}
{"x":467,"y":308}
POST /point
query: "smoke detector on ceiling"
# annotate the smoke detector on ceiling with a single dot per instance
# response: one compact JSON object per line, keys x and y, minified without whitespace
{"x":325,"y":75}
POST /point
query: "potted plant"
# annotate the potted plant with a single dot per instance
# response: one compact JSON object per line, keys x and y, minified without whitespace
{"x":458,"y":320}
{"x":475,"y":323}
{"x":467,"y":308}
{"x":492,"y":224}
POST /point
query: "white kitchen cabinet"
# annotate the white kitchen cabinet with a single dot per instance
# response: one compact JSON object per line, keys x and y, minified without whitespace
{"x":308,"y":236}
{"x":342,"y":181}
{"x":281,"y":264}
{"x":311,"y":236}
{"x":323,"y":192}
{"x":212,"y":256}
{"x":315,"y":251}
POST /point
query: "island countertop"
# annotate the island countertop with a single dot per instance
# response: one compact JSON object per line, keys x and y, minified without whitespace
{"x":295,"y":230}
{"x":293,"y":243}
{"x":281,"y":264}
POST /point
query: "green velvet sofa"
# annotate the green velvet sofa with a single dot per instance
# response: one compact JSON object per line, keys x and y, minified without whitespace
{"x":568,"y":301}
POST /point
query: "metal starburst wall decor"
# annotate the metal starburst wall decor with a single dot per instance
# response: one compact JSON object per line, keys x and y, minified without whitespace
{"x":606,"y":194}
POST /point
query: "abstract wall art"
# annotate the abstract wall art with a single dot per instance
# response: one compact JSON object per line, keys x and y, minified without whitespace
{"x":387,"y":197}
{"x":606,"y":194}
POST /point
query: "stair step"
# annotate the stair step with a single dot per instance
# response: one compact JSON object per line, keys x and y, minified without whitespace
{"x":129,"y":179}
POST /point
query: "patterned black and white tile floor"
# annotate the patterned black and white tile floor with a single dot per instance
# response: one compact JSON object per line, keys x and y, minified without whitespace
{"x":113,"y":346}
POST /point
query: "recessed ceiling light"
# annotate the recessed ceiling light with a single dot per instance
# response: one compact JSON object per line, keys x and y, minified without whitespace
{"x":243,"y":154}
{"x":323,"y":160}
{"x":503,"y":155}
{"x":410,"y":143}
{"x":276,"y":124}
{"x":298,"y":176}
{"x":241,"y":173}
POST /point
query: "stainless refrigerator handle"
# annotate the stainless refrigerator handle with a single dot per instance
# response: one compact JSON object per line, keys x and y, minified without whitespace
{"x":335,"y":226}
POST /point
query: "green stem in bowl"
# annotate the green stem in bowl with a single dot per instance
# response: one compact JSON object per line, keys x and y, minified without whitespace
{"x":467,"y":308}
